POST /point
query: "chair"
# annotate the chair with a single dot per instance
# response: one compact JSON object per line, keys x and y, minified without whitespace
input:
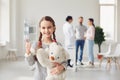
{"x":114,"y":57}
{"x":11,"y":52}
{"x":111,"y":55}
{"x":100,"y":56}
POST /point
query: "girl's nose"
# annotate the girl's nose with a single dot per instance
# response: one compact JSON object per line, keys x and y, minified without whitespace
{"x":46,"y":30}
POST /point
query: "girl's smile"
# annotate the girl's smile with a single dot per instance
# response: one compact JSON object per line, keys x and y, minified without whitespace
{"x":47,"y":28}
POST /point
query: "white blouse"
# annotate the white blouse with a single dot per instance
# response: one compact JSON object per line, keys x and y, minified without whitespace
{"x":90,"y":33}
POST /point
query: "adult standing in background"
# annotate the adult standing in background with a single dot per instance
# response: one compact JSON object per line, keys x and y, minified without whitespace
{"x":80,"y":30}
{"x":90,"y":34}
{"x":69,"y":37}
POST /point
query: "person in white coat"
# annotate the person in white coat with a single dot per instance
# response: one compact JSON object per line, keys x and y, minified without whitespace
{"x":69,"y":37}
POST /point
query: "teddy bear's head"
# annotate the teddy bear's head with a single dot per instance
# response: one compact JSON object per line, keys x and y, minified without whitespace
{"x":57,"y":53}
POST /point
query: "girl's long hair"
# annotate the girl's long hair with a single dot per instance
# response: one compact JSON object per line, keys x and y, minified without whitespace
{"x":46,"y":18}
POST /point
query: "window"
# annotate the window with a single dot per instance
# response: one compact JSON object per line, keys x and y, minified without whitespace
{"x":30,"y":31}
{"x":107,"y":18}
{"x":4,"y":20}
{"x":107,"y":1}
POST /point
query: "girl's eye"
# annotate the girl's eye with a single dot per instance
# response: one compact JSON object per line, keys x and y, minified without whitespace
{"x":49,"y":27}
{"x":43,"y":27}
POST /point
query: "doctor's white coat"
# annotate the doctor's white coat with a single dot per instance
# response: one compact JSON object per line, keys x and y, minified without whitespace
{"x":69,"y":35}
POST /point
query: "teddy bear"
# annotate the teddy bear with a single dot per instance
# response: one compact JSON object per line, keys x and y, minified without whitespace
{"x":55,"y":54}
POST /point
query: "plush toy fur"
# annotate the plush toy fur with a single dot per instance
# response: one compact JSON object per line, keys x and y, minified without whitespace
{"x":55,"y":53}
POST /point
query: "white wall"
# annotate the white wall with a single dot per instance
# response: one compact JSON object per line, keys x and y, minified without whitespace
{"x":13,"y":24}
{"x":0,"y":19}
{"x":33,"y":10}
{"x":5,"y":20}
{"x":118,"y":25}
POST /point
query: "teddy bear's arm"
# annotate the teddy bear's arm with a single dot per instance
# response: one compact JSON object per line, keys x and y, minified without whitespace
{"x":42,"y":57}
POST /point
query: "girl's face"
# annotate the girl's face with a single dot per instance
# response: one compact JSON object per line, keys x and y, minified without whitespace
{"x":47,"y":28}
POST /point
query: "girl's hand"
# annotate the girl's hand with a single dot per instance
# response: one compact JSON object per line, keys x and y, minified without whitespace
{"x":28,"y":46}
{"x":58,"y":69}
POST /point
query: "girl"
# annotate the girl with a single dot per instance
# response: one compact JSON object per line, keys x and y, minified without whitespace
{"x":90,"y":34}
{"x":47,"y":30}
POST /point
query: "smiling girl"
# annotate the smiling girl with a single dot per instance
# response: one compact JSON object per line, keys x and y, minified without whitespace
{"x":47,"y":36}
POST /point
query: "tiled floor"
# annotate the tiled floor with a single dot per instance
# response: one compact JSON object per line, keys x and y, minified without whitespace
{"x":18,"y":70}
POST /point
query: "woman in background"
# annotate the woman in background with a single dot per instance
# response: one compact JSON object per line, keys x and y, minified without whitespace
{"x":90,"y":34}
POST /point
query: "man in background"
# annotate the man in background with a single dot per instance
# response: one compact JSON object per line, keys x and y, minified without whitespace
{"x":80,"y":30}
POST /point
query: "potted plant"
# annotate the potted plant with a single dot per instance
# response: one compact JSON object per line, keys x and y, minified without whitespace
{"x":99,"y":37}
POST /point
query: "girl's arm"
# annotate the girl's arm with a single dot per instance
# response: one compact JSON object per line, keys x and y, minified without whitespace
{"x":29,"y":57}
{"x":59,"y":68}
{"x":64,"y":64}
